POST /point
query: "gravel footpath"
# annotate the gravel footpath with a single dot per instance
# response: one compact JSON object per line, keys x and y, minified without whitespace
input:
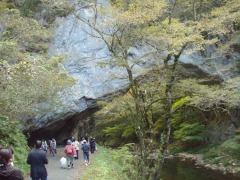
{"x":55,"y":172}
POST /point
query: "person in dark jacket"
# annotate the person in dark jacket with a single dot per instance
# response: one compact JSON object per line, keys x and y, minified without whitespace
{"x":7,"y":171}
{"x":92,"y":145}
{"x":37,"y":160}
{"x":86,"y":148}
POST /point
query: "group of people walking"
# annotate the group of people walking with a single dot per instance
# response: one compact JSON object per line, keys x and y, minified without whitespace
{"x":52,"y":146}
{"x":72,"y":148}
{"x":37,"y":158}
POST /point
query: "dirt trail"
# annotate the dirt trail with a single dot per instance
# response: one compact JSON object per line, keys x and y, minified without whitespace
{"x":55,"y":172}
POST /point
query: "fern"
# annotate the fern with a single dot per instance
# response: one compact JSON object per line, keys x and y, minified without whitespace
{"x":191,"y":133}
{"x":181,"y":102}
{"x":128,"y":132}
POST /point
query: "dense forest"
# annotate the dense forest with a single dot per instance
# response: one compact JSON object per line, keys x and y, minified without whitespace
{"x":166,"y":110}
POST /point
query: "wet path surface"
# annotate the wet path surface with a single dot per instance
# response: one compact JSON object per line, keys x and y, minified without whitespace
{"x":55,"y":172}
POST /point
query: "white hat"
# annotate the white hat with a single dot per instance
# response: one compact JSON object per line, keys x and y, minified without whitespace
{"x":69,"y":142}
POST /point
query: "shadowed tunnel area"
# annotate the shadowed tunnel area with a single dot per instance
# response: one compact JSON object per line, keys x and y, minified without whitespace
{"x":61,"y":129}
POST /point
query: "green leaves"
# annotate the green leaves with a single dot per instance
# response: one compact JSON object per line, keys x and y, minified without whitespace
{"x":26,"y":32}
{"x":181,"y":102}
{"x":27,"y":75}
{"x":191,"y":133}
{"x":11,"y":136}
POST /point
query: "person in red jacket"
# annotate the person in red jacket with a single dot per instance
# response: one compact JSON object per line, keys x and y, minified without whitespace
{"x":70,"y":152}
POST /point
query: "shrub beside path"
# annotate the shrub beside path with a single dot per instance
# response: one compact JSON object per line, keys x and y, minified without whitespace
{"x":55,"y":172}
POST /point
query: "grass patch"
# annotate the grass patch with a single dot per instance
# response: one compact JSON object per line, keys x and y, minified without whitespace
{"x":226,"y":153}
{"x":175,"y":150}
{"x":204,"y":149}
{"x":104,"y":167}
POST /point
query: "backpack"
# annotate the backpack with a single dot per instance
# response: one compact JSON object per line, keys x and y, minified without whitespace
{"x":92,"y":142}
{"x":85,"y":148}
{"x":69,"y":150}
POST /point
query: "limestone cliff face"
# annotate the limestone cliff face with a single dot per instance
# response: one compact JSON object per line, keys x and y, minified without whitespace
{"x":83,"y":52}
{"x":213,"y":63}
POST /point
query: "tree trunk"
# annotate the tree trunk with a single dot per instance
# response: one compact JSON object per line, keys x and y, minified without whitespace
{"x":194,"y":10}
{"x":200,"y":10}
{"x":167,"y":131}
{"x":139,"y":123}
{"x":171,"y":9}
{"x":166,"y":134}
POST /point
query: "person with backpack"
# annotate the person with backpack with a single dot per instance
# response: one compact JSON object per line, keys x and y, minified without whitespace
{"x":70,"y":152}
{"x":86,"y":148}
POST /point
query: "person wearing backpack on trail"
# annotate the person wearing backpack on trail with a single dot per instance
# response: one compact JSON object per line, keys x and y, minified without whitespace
{"x":70,"y":152}
{"x":86,"y":148}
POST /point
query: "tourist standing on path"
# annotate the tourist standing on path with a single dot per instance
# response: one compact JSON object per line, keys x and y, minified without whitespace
{"x":86,"y":148}
{"x":7,"y":171}
{"x":76,"y":146}
{"x":37,"y":160}
{"x":92,"y":144}
{"x":44,"y":146}
{"x":70,"y":152}
{"x":53,"y":147}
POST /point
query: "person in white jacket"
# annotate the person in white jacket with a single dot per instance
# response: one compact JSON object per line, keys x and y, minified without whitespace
{"x":76,"y":144}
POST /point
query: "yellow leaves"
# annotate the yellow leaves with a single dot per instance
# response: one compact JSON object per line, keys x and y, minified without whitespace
{"x":220,"y":18}
{"x":140,"y":12}
{"x":223,"y":23}
{"x":27,"y":78}
{"x":178,"y":104}
{"x":172,"y":37}
{"x":34,"y":79}
{"x":29,"y":35}
{"x":3,"y":6}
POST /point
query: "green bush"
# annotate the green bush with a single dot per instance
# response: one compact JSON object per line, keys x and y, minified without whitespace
{"x":49,"y":9}
{"x":11,"y":136}
{"x":191,"y":134}
{"x":127,"y":160}
{"x":231,"y":147}
{"x":53,"y":8}
{"x":174,"y":150}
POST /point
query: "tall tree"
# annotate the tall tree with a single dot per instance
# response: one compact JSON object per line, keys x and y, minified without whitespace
{"x":120,"y":32}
